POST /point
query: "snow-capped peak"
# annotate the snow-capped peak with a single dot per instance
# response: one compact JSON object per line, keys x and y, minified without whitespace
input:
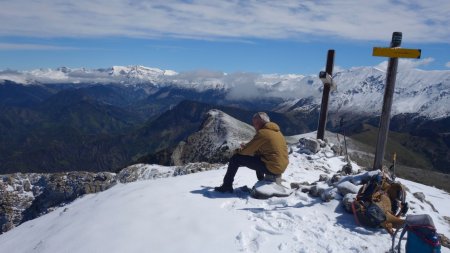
{"x":136,"y":72}
{"x":220,"y":135}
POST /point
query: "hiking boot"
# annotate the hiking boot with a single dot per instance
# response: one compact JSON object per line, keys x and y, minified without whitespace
{"x":259,"y":175}
{"x":224,"y":189}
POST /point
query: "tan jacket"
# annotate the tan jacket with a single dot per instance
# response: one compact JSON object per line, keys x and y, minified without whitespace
{"x":270,"y":144}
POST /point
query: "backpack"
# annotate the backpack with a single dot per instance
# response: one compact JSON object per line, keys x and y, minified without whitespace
{"x":422,"y":236}
{"x":380,"y":202}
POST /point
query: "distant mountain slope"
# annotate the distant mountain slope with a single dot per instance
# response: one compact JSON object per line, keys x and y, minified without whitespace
{"x":57,"y":133}
{"x":12,"y":94}
{"x":218,"y":138}
{"x":85,"y":112}
{"x":429,"y":152}
{"x":72,"y":130}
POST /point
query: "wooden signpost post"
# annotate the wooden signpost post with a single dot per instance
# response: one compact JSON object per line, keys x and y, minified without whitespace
{"x":327,"y":80}
{"x":394,"y":52}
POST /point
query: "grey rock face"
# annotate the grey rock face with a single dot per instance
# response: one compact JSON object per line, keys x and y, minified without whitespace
{"x":329,"y":194}
{"x":337,"y":149}
{"x":420,"y":196}
{"x":216,"y":141}
{"x":139,"y":172}
{"x":323,"y":177}
{"x":346,"y":187}
{"x":309,"y":145}
{"x":318,"y":189}
{"x":348,"y":200}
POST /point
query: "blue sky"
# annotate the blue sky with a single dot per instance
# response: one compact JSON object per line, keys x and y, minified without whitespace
{"x":229,"y":36}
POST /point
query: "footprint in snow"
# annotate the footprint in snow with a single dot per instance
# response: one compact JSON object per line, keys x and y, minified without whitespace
{"x":249,"y":243}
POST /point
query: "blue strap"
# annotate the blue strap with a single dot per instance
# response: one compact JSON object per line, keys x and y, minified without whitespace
{"x":398,"y":248}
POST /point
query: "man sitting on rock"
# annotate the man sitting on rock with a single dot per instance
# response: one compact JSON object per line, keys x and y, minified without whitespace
{"x":266,"y":153}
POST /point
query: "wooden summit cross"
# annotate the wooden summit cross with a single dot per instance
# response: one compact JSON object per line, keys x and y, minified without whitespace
{"x":328,"y":84}
{"x":394,"y":52}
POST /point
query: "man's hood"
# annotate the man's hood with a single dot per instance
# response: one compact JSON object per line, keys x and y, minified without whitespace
{"x":271,"y":126}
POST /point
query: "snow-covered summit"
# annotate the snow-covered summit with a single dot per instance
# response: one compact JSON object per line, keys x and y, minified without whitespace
{"x":139,"y":72}
{"x":184,"y":214}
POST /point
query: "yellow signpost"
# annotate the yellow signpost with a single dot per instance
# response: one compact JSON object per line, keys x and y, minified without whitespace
{"x":396,"y":52}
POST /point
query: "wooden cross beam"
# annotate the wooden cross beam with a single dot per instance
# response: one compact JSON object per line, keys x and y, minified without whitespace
{"x":326,"y":77}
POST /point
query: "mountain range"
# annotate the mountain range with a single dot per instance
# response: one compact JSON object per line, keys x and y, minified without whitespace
{"x":104,"y":119}
{"x":417,"y":91}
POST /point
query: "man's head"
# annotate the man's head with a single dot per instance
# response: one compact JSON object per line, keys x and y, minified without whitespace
{"x":259,"y":120}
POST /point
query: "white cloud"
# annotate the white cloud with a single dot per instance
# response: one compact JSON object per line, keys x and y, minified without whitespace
{"x":420,"y":21}
{"x":447,"y":64}
{"x":242,"y":86}
{"x":412,"y":64}
{"x":15,"y":46}
{"x":405,"y":64}
{"x":337,"y":69}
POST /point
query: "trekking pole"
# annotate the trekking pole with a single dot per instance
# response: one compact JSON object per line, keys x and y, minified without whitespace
{"x":339,"y":143}
{"x":394,"y":159}
{"x":346,"y":151}
{"x":339,"y":139}
{"x":345,"y":140}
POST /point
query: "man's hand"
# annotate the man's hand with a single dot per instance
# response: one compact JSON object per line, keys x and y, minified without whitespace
{"x":236,"y":151}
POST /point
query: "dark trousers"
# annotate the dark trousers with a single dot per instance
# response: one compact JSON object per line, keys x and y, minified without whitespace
{"x":251,"y":162}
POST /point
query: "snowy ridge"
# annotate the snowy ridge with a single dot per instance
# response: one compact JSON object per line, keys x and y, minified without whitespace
{"x":416,"y":91}
{"x":220,"y":135}
{"x":116,"y":74}
{"x":183,"y":214}
{"x":140,"y":171}
{"x":359,"y":90}
{"x":140,"y":73}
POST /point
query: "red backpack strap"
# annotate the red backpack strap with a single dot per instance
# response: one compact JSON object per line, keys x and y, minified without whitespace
{"x":354,"y":213}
